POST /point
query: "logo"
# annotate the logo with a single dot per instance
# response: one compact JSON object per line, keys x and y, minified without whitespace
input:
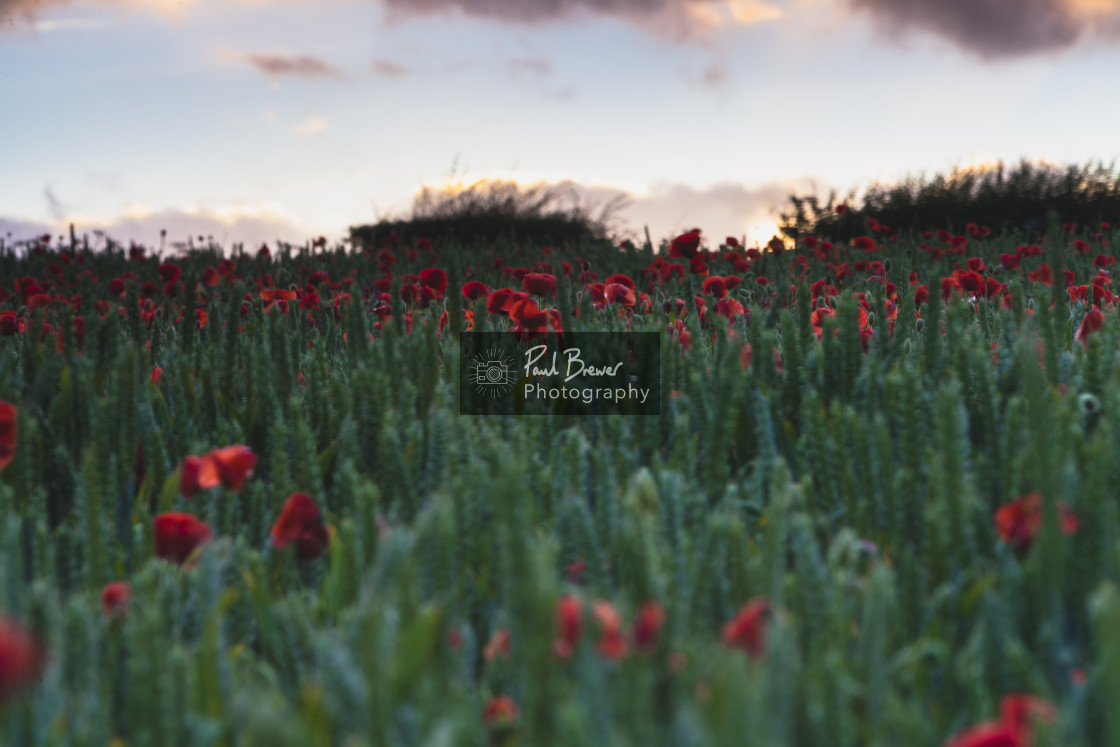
{"x":489,"y":372}
{"x":576,"y":373}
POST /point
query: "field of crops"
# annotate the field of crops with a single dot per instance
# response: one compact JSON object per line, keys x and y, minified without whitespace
{"x":239,"y":504}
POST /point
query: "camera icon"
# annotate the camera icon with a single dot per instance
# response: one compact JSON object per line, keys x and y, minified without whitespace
{"x":492,"y":373}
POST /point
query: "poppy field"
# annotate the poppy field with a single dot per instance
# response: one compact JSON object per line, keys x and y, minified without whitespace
{"x":239,"y":504}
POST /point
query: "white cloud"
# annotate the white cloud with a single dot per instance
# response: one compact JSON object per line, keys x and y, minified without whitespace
{"x":248,"y":223}
{"x":724,"y":209}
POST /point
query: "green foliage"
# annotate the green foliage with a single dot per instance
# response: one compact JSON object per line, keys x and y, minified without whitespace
{"x":850,"y":476}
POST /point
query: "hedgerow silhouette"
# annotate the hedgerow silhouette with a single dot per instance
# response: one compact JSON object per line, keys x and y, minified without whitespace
{"x":1019,"y":197}
{"x":493,"y":209}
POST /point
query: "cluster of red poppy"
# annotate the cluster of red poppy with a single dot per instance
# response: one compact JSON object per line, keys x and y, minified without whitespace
{"x":179,"y":536}
{"x":1019,"y":522}
{"x":228,"y":467}
{"x":613,"y":643}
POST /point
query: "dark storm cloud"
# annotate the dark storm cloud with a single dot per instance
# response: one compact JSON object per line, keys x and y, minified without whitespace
{"x":998,"y":28}
{"x":303,"y":66}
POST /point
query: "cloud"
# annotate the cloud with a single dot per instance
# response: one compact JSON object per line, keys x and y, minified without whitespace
{"x":389,"y":69}
{"x":995,"y":29}
{"x":752,"y":11}
{"x":21,"y":230}
{"x":724,"y":209}
{"x":301,"y":66}
{"x":29,"y":10}
{"x":678,"y":18}
{"x":311,"y":126}
{"x":242,"y":223}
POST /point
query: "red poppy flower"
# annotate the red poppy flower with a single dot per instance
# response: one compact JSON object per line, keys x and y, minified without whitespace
{"x":169,"y":273}
{"x":747,"y":630}
{"x":1020,"y":521}
{"x":685,"y":245}
{"x":617,"y":293}
{"x":234,"y":464}
{"x":947,"y":286}
{"x":993,"y":288}
{"x":841,"y":209}
{"x":864,"y":243}
{"x":1092,"y":322}
{"x":817,"y":319}
{"x":1009,"y":261}
{"x":729,"y":307}
{"x":496,"y":302}
{"x":178,"y":536}
{"x":498,"y":645}
{"x":527,"y":314}
{"x":569,"y":625}
{"x":647,"y":626}
{"x":499,"y":710}
{"x":9,"y":324}
{"x":1014,"y":727}
{"x":37,"y":301}
{"x":21,"y":659}
{"x":539,"y":283}
{"x":300,"y":522}
{"x":8,"y":422}
{"x":114,"y":598}
{"x":273,"y":296}
{"x":434,"y":278}
{"x":612,"y":644}
{"x":973,"y":282}
{"x":681,"y":333}
{"x":474,"y":290}
{"x":197,"y":473}
{"x":1042,"y":275}
{"x":621,"y":279}
{"x":713,"y":285}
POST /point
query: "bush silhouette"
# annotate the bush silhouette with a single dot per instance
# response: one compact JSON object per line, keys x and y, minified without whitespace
{"x":998,"y":196}
{"x":493,"y":209}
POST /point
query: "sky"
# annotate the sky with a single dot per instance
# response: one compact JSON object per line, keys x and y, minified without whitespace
{"x":262,"y":120}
